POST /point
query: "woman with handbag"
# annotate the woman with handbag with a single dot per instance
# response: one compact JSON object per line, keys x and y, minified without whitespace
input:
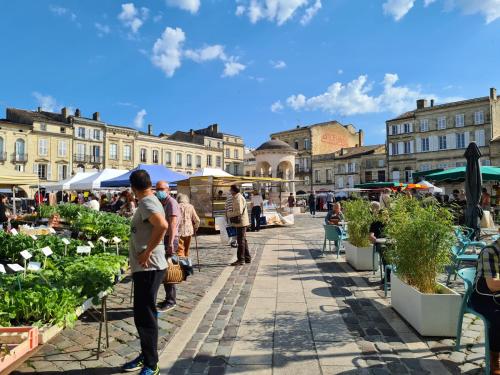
{"x":188,"y":224}
{"x":485,"y":298}
{"x":238,"y":217}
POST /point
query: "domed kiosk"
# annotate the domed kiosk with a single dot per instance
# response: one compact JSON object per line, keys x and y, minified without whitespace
{"x":276,"y":158}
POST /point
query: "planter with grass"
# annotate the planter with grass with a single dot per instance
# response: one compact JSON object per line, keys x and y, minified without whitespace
{"x":359,"y":250}
{"x":423,"y":236}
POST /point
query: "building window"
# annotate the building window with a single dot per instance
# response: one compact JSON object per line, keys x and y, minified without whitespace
{"x":43,"y":127}
{"x":394,"y":147}
{"x":42,"y":170}
{"x":218,"y":144}
{"x":62,"y":147}
{"x":340,"y":182}
{"x":81,"y":133}
{"x":328,"y":175}
{"x":442,"y":166}
{"x":228,"y":153}
{"x":460,"y":164}
{"x":43,"y":147}
{"x":178,"y":160}
{"x":62,"y":129}
{"x":485,"y":162}
{"x":209,"y":160}
{"x":395,"y":129}
{"x":461,"y":140}
{"x":80,"y":152}
{"x":96,"y":154}
{"x":168,"y":158}
{"x":381,"y":163}
{"x":296,"y":144}
{"x":236,"y":168}
{"x":425,"y":167}
{"x":424,"y":125}
{"x":155,"y":156}
{"x":97,"y":134}
{"x":441,"y":123}
{"x":198,"y":161}
{"x":425,"y":144}
{"x":62,"y":172}
{"x":19,"y":167}
{"x":236,"y":154}
{"x":316,"y":176}
{"x":442,"y":142}
{"x":381,"y":176}
{"x":395,"y":176}
{"x":480,"y":140}
{"x":407,"y":147}
{"x":127,"y":153}
{"x":144,"y":157}
{"x":307,"y":144}
{"x":478,"y":117}
{"x":408,"y":175}
{"x":218,"y":162}
{"x":407,"y":128}
{"x":189,"y":160}
{"x":459,"y":120}
{"x":351,"y":167}
{"x":113,"y":151}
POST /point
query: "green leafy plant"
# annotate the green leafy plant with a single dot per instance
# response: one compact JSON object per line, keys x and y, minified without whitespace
{"x":357,"y":213}
{"x":423,"y":236}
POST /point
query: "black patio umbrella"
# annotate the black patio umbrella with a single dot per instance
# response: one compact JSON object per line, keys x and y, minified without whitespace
{"x":473,"y":184}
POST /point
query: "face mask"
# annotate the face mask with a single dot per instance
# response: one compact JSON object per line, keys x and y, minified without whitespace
{"x":161,"y":195}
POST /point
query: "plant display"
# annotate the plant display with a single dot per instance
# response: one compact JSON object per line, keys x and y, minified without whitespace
{"x":423,"y":236}
{"x":359,"y":216}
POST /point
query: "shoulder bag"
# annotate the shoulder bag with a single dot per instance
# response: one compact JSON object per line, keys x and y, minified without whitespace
{"x":175,"y":273}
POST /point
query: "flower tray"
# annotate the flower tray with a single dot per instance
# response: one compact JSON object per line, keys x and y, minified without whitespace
{"x":16,"y":345}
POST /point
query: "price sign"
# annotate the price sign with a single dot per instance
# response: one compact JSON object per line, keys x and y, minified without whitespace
{"x":14,"y":232}
{"x":2,"y":269}
{"x":25,"y":254}
{"x":47,"y":251}
{"x":91,"y":244}
{"x":102,"y":239}
{"x":15,"y":267}
{"x":52,"y":231}
{"x":116,"y":240}
{"x":33,"y":237}
{"x":83,"y":249}
{"x":34,"y":266}
{"x":65,"y":241}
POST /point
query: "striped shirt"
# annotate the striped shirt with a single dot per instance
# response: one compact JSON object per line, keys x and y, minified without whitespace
{"x":488,"y":265}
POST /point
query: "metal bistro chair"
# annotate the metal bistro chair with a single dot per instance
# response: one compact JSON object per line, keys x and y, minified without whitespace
{"x":333,"y":233}
{"x":468,"y":275}
{"x":458,"y":252}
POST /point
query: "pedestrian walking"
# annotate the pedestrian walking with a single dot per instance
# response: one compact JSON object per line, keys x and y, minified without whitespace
{"x":330,"y":199}
{"x":311,"y":200}
{"x":257,"y":209}
{"x":148,"y":265}
{"x":238,"y":217}
{"x":291,"y":201}
{"x":189,"y":222}
{"x":172,"y":215}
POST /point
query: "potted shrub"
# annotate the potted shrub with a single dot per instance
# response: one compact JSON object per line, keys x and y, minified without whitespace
{"x":359,"y":250}
{"x":423,"y":235}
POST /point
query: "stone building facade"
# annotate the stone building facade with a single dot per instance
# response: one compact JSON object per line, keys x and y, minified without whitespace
{"x":435,"y":136}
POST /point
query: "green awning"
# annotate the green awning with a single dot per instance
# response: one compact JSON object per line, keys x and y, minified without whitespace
{"x":379,"y":185}
{"x":425,"y":173}
{"x":458,"y":174}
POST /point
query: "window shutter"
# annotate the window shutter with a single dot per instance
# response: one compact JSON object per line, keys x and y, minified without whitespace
{"x":418,"y":143}
{"x":477,"y":137}
{"x":49,"y":172}
{"x":35,"y":168}
{"x":467,"y":137}
{"x":390,"y":149}
{"x":411,"y":127}
{"x":399,"y":128}
{"x":451,"y":141}
{"x":401,"y":148}
{"x":412,"y":147}
{"x":389,"y":129}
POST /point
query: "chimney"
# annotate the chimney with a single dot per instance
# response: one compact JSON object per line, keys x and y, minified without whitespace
{"x":65,"y":112}
{"x":421,"y":103}
{"x":77,"y":112}
{"x":191,"y":132}
{"x":361,"y":135}
{"x":150,"y":129}
{"x":493,"y":93}
{"x":96,"y":116}
{"x":432,"y":103}
{"x":39,"y":109}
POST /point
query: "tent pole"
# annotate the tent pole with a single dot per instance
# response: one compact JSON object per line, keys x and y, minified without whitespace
{"x":14,"y":200}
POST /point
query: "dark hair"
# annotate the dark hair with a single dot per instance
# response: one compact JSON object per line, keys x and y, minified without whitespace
{"x":484,"y":190}
{"x":140,"y":180}
{"x":2,"y":197}
{"x":235,"y":189}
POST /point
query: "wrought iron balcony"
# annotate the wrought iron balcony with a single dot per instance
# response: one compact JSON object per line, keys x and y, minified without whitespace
{"x":3,"y":156}
{"x":87,"y":159}
{"x":19,"y":158}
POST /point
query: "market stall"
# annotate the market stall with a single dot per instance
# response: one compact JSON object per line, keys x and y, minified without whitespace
{"x":93,"y":182}
{"x":66,"y":184}
{"x":12,"y":179}
{"x":156,"y":172}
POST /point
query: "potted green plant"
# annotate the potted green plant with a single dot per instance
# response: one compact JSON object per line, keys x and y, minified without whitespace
{"x":359,"y":250}
{"x":422,"y":234}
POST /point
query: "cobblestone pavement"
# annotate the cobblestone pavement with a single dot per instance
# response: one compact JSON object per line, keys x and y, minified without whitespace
{"x":290,"y":311}
{"x":73,"y":350}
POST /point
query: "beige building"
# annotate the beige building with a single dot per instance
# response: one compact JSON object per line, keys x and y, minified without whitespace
{"x":249,"y":163}
{"x":436,"y":136}
{"x":314,"y":140}
{"x":88,"y":141}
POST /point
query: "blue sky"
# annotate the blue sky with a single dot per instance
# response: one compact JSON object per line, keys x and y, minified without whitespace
{"x":253,"y":66}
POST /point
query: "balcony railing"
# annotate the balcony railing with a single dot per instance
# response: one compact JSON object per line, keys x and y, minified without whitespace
{"x":3,"y":156}
{"x":87,"y":159}
{"x":302,"y":170}
{"x":19,"y":158}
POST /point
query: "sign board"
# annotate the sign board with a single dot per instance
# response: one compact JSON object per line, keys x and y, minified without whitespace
{"x":91,"y":244}
{"x":83,"y":249}
{"x":2,"y":269}
{"x":65,"y":241}
{"x":15,"y":267}
{"x":14,"y":232}
{"x":25,"y":254}
{"x":116,"y":240}
{"x":47,"y":251}
{"x":102,"y":239}
{"x":33,"y":237}
{"x":34,"y":266}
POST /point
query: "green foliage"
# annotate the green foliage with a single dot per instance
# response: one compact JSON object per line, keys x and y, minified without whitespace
{"x":357,"y":212}
{"x":45,"y":211}
{"x":423,"y":236}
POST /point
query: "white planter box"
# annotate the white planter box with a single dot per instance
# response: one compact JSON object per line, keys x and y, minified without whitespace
{"x":360,"y":258}
{"x":429,"y":314}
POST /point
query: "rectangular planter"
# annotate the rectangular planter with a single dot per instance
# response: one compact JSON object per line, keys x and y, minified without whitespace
{"x":429,"y":314}
{"x":360,"y":258}
{"x":20,"y":342}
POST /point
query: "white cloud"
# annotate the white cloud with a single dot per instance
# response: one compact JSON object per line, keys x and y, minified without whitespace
{"x":279,"y":11}
{"x":167,"y":50}
{"x":139,"y":118}
{"x":206,"y":53}
{"x":102,"y":29}
{"x":158,"y":17}
{"x":311,"y":12}
{"x":428,"y":2}
{"x":280,"y":64}
{"x":190,"y":5}
{"x":61,"y":11}
{"x":133,"y":17}
{"x":47,"y":102}
{"x":355,"y":97}
{"x":232,"y":67}
{"x":397,"y":8}
{"x":277,"y":106}
{"x":340,"y":72}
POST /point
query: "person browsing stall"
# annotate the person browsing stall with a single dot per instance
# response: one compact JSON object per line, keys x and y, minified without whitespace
{"x":238,"y":217}
{"x":257,"y":208}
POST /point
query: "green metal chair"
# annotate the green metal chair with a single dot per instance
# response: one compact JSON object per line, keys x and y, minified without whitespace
{"x":333,"y":233}
{"x":468,"y":275}
{"x":458,"y":251}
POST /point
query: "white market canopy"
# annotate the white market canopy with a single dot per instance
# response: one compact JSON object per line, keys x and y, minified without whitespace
{"x":211,"y":172}
{"x":65,"y":184}
{"x":10,"y":177}
{"x":431,"y":187}
{"x":94,"y":181}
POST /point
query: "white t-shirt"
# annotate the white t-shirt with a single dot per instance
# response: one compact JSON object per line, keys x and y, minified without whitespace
{"x":93,"y":204}
{"x":257,"y":200}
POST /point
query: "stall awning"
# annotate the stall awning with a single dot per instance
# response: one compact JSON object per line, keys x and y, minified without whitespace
{"x":379,"y":185}
{"x":65,"y":184}
{"x":94,"y":181}
{"x":458,"y":174}
{"x":156,"y":172}
{"x":10,"y":177}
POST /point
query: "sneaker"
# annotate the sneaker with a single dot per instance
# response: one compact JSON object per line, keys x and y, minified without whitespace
{"x":148,"y":371}
{"x":248,"y":261}
{"x":134,"y":365}
{"x":165,"y":306}
{"x":237,"y":263}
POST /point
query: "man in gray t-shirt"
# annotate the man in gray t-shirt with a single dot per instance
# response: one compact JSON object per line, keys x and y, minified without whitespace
{"x":148,"y":264}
